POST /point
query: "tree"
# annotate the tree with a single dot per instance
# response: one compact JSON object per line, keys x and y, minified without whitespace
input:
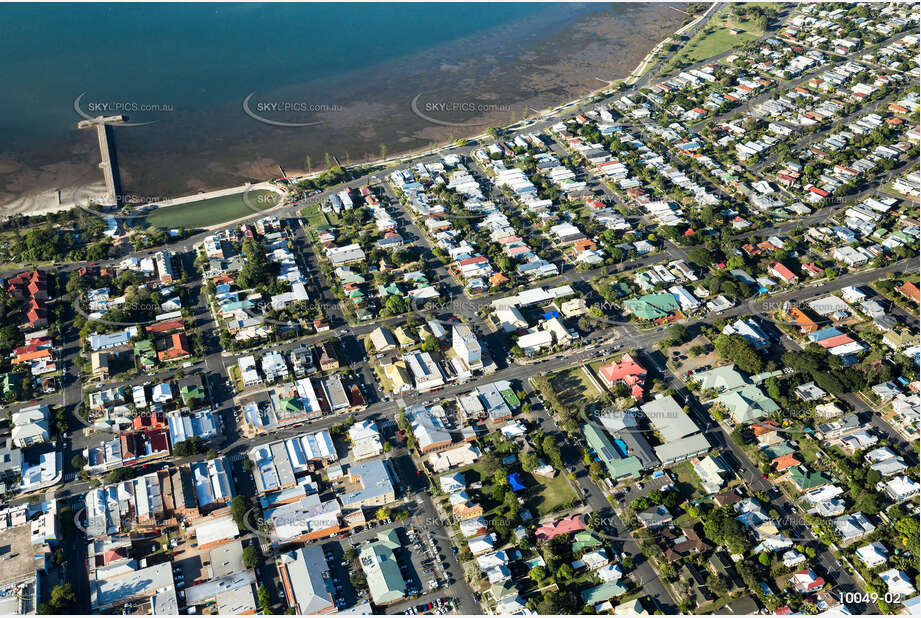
{"x":265,"y":599}
{"x":564,"y":573}
{"x":188,"y":448}
{"x":740,"y":351}
{"x":383,"y":513}
{"x":430,"y":344}
{"x":120,"y":474}
{"x":63,"y":599}
{"x":538,"y":573}
{"x":700,"y":257}
{"x":529,"y":461}
{"x":358,"y":579}
{"x":252,"y":556}
{"x":239,"y":509}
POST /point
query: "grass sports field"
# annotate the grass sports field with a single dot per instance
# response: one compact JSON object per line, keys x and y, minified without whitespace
{"x":205,"y":213}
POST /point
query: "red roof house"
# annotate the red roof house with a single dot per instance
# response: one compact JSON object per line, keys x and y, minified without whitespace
{"x":553,"y":529}
{"x":626,"y":370}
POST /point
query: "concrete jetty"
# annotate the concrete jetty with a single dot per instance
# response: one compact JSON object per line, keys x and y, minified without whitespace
{"x":108,"y":163}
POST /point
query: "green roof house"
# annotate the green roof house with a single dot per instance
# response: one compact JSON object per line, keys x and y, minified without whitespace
{"x":724,"y":378}
{"x":145,"y":353}
{"x":390,"y":290}
{"x":291,"y":405}
{"x":511,"y":399}
{"x":806,"y":479}
{"x":652,"y":306}
{"x":11,"y":382}
{"x":502,"y":590}
{"x":778,"y":450}
{"x":585,"y":540}
{"x":190,"y":392}
{"x":381,"y":569}
{"x":747,"y":404}
{"x":604,"y":592}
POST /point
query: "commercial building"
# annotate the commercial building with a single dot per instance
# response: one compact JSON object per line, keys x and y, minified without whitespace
{"x":381,"y":568}
{"x":466,"y":347}
{"x":305,"y":576}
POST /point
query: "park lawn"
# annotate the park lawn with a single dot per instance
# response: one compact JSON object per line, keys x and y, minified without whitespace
{"x":548,"y":494}
{"x":573,"y":387}
{"x":703,"y":46}
{"x":213,"y":211}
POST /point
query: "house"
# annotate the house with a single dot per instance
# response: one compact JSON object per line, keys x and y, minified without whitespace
{"x":910,"y":290}
{"x":383,"y":340}
{"x":681,"y":543}
{"x":722,"y":379}
{"x":747,"y":404}
{"x":852,"y":527}
{"x":365,"y":439}
{"x":806,"y":581}
{"x":652,"y":306}
{"x":792,"y":558}
{"x":601,"y":593}
{"x":655,"y":517}
{"x":873,"y":555}
{"x":710,"y":470}
{"x":805,"y":323}
{"x":100,"y":365}
{"x":901,"y":488}
{"x":177,"y":349}
{"x":566,"y":525}
{"x":466,"y":346}
{"x":328,"y":358}
{"x":898,"y":584}
{"x":30,"y":425}
{"x":809,"y":392}
{"x":806,"y":479}
{"x":627,"y":371}
{"x":750,"y":330}
{"x":779,"y":270}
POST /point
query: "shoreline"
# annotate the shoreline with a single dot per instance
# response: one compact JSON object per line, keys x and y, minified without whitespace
{"x":47,"y":200}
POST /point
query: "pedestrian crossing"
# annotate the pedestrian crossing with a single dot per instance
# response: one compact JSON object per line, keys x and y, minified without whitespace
{"x":70,"y":476}
{"x":237,"y":457}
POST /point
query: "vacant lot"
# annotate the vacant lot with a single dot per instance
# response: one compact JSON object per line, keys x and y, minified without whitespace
{"x":573,"y":388}
{"x":547,"y":495}
{"x":314,"y":217}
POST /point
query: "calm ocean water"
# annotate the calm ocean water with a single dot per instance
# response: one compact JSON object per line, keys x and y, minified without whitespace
{"x":188,"y":67}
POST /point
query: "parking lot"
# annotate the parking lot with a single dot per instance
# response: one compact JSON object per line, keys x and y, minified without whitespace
{"x":345,"y":594}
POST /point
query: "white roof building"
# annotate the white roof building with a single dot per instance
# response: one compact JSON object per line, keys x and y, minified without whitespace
{"x":873,"y":555}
